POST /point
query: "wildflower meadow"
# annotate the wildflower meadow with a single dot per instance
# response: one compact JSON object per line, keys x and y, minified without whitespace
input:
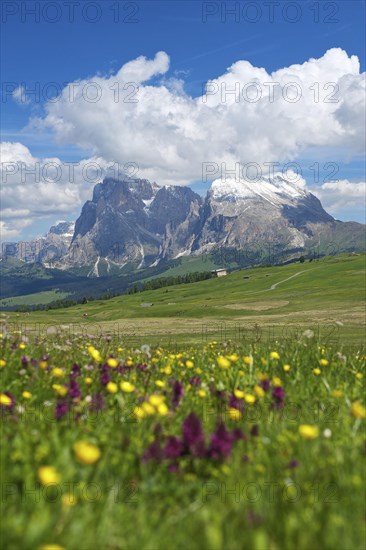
{"x":207,"y":447}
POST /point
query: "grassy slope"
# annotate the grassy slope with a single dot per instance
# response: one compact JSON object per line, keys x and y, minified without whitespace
{"x":328,"y":292}
{"x":45,"y":297}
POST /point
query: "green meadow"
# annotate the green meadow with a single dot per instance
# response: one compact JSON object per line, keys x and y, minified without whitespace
{"x":224,"y":414}
{"x":325,"y":296}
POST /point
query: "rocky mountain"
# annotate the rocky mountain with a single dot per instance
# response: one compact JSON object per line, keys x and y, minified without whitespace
{"x":235,"y":214}
{"x":47,"y":250}
{"x":139,"y":223}
{"x":132,"y":221}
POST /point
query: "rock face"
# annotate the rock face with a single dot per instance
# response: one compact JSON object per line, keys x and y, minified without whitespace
{"x":138,"y":222}
{"x":47,"y":250}
{"x":270,"y":210}
{"x":132,"y":221}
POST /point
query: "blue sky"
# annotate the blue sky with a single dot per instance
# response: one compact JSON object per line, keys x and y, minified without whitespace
{"x":64,"y":51}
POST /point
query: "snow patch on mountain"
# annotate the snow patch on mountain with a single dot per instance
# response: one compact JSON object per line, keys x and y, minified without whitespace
{"x":276,"y":190}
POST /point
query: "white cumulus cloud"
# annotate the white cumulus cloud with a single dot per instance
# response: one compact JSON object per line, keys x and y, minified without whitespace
{"x":245,"y":115}
{"x":341,"y":195}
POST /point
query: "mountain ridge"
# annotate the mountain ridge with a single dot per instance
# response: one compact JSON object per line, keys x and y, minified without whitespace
{"x":139,"y":222}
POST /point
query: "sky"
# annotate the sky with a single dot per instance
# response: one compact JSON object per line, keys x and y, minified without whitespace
{"x":179,"y":92}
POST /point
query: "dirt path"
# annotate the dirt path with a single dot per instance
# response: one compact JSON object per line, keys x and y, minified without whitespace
{"x":288,"y":278}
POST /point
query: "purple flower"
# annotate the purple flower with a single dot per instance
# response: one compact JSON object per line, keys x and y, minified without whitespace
{"x":141,"y":366}
{"x":221,"y":443}
{"x":278,"y":395}
{"x":235,"y":403}
{"x":74,"y":390}
{"x":153,"y":452}
{"x":97,"y":402}
{"x":265,"y":384}
{"x":237,"y":434}
{"x":293,"y":464}
{"x":178,"y":393}
{"x":192,"y":430}
{"x":123,"y":369}
{"x":195,"y":381}
{"x":75,"y":370}
{"x":255,"y":430}
{"x":173,"y":447}
{"x":105,"y":378}
{"x":25,"y":360}
{"x":61,"y":409}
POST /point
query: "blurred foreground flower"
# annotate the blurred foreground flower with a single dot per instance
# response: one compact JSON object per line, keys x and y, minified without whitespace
{"x":308,"y":432}
{"x":357,"y":410}
{"x":86,"y":453}
{"x":48,"y":474}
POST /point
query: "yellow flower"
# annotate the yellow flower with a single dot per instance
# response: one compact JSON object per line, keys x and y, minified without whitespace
{"x":317,"y":371}
{"x":2,"y":363}
{"x":359,"y":375}
{"x":43,"y":364}
{"x":274,"y":355}
{"x":248,"y":360}
{"x":357,"y":410}
{"x":223,"y":362}
{"x":88,"y":380}
{"x":189,"y":364}
{"x":112,"y":387}
{"x":239,"y":394}
{"x":120,"y":349}
{"x":156,"y":400}
{"x":129,"y":362}
{"x":22,"y":346}
{"x":27,"y":394}
{"x":94,"y":354}
{"x":286,"y":368}
{"x":127,"y":387}
{"x":60,"y":390}
{"x":57,"y":372}
{"x":308,"y":432}
{"x":113,"y":363}
{"x":234,"y":414}
{"x":48,"y":474}
{"x":160,"y":383}
{"x":86,"y":453}
{"x":163,"y":409}
{"x":51,"y":547}
{"x":147,"y":408}
{"x":139,"y":412}
{"x":277,"y":382}
{"x":201,"y":393}
{"x":250,"y":399}
{"x":323,"y":362}
{"x":198,"y":371}
{"x":68,"y":501}
{"x":234,"y":357}
{"x":167,"y":370}
{"x":5,"y":400}
{"x":259,"y":391}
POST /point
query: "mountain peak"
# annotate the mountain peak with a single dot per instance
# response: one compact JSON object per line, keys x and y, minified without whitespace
{"x":276,"y":190}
